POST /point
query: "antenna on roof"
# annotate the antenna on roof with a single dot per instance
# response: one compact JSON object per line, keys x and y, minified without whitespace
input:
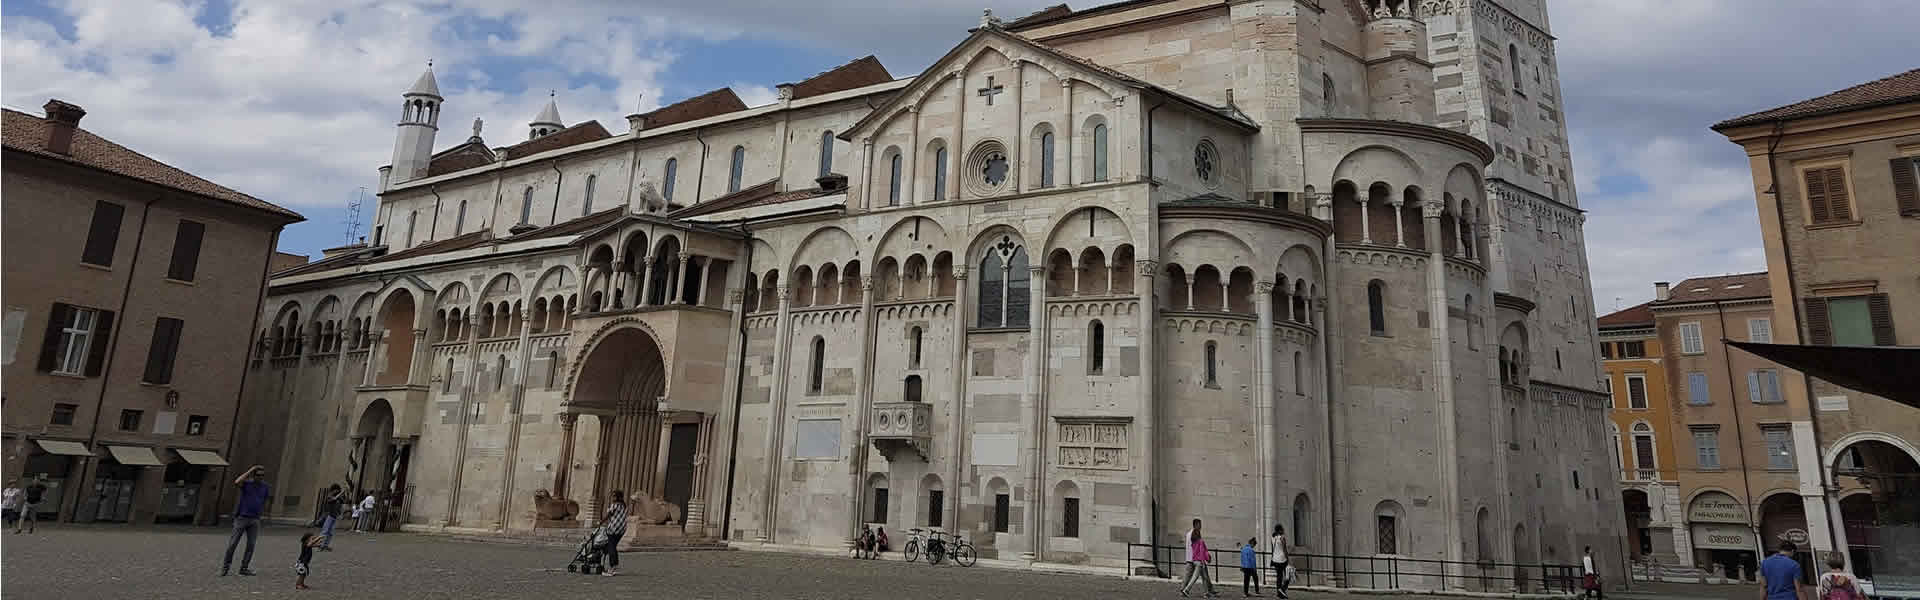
{"x":353,"y":214}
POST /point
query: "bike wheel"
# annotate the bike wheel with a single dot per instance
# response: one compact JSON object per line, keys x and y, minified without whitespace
{"x":912,"y":551}
{"x":965,"y":556}
{"x":934,"y":555}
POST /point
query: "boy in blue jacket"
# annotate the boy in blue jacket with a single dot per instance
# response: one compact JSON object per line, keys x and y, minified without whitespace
{"x":1249,"y":571}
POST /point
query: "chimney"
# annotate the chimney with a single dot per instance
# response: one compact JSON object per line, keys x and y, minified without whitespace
{"x":1661,"y":291}
{"x":62,"y":119}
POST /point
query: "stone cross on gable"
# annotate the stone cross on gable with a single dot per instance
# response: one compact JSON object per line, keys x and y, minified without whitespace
{"x":991,"y":90}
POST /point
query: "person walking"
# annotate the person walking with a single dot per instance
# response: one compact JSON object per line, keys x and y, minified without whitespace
{"x":1197,"y":560}
{"x":10,"y":502}
{"x":330,"y":514}
{"x":1278,"y":558}
{"x":1590,"y":579}
{"x":613,"y":527}
{"x":1249,"y":567}
{"x":363,"y":513}
{"x":1837,"y":583}
{"x":1782,"y":574}
{"x":29,"y":505}
{"x":246,"y":517}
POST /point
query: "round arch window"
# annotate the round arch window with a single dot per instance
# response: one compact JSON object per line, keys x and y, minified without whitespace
{"x":1206,"y":162}
{"x":988,"y":168}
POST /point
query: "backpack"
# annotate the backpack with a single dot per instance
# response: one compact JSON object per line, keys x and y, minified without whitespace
{"x":1838,"y":592}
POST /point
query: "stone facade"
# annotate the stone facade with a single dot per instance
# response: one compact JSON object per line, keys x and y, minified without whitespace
{"x":1084,"y":279}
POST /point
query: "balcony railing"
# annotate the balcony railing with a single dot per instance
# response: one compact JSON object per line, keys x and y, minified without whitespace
{"x":901,"y":426}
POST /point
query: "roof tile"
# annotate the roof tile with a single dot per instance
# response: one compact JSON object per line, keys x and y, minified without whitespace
{"x":1741,"y":286}
{"x":861,"y":72}
{"x":1892,"y":89}
{"x":717,"y":102}
{"x":28,"y":133}
{"x":578,"y":134}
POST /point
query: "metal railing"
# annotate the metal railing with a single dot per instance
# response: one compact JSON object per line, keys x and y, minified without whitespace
{"x":1372,"y":571}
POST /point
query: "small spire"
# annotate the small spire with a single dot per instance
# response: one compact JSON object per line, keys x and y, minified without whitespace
{"x":987,"y":19}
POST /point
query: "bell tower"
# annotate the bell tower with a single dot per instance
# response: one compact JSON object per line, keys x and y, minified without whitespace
{"x":419,"y":120}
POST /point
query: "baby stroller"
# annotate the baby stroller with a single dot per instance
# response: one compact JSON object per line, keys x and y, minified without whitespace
{"x":586,"y":558}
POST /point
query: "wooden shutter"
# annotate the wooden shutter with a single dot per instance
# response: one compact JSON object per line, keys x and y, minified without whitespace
{"x":1906,"y":191}
{"x":99,"y":341}
{"x":1837,"y":202}
{"x":1819,"y":331}
{"x":162,"y":352}
{"x":1881,"y":313}
{"x":50,"y":347}
{"x":1817,"y":195}
{"x":103,"y":234}
{"x":186,"y":250}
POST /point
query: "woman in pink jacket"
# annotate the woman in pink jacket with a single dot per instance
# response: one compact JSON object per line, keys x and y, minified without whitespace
{"x":1197,"y":560}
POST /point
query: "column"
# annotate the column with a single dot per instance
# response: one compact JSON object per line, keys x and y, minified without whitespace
{"x":417,"y":374}
{"x":1191,"y":277}
{"x":646,"y":282}
{"x":1263,"y":400}
{"x":957,"y":351}
{"x":512,"y":416}
{"x":866,"y":173}
{"x":373,"y":354}
{"x":911,"y":156}
{"x":1109,"y":268}
{"x":679,"y":280}
{"x":1366,"y":231}
{"x":1066,"y":130}
{"x":1018,"y":141}
{"x":1148,"y":407}
{"x":1399,"y":225}
{"x":777,"y":423}
{"x":1442,"y":381}
{"x":958,"y":150}
{"x":563,"y":469}
{"x":1225,"y":290}
{"x":617,"y":297}
{"x":863,"y":412}
{"x":1037,"y":392}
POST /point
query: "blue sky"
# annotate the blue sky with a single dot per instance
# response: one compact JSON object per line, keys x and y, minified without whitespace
{"x":293,"y":100}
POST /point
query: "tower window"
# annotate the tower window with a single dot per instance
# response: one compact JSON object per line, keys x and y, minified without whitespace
{"x":913,"y":348}
{"x":893,"y":180}
{"x":815,"y":375}
{"x":1096,"y":348}
{"x":526,"y":206}
{"x":940,"y":173}
{"x":1213,"y":370}
{"x":1046,"y":159}
{"x":666,"y":179}
{"x":826,"y":153}
{"x":586,"y":206}
{"x":1513,"y":62}
{"x":1377,"y":307}
{"x":1100,"y":152}
{"x":736,"y":170}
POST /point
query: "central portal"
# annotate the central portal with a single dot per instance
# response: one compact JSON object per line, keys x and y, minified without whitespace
{"x":648,"y":453}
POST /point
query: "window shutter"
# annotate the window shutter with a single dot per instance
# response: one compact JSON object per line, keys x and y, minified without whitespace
{"x":186,"y":250}
{"x":103,"y":234}
{"x":1881,"y":313}
{"x":1817,"y":195}
{"x":50,"y":347}
{"x":1819,"y":332}
{"x":162,"y":353}
{"x":1753,"y":387}
{"x":100,"y":341}
{"x":1837,"y":194}
{"x":1906,"y":191}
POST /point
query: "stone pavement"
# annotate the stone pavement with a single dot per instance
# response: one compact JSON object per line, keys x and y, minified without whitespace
{"x":68,"y":561}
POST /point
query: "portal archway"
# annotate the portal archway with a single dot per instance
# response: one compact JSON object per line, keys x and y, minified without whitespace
{"x":1887,"y":509}
{"x":622,"y":380}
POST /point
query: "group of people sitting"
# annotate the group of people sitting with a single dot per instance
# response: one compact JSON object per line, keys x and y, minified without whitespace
{"x":873,"y":541}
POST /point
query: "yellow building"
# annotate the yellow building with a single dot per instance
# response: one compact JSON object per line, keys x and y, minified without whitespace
{"x":1641,"y":424}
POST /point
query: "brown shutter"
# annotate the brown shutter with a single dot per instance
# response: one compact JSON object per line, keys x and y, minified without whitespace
{"x":99,"y":342}
{"x":103,"y":234}
{"x":50,"y":348}
{"x":1837,"y":202}
{"x":1881,"y":314}
{"x":1819,"y":332}
{"x":186,"y":250}
{"x":161,"y":353}
{"x":1906,"y":191}
{"x":1817,"y":196}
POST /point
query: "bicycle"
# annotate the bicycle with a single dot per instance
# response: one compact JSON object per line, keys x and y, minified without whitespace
{"x":916,"y":538}
{"x":938,"y":548}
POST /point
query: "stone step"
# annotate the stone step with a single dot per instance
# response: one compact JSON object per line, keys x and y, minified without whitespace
{"x":655,"y":545}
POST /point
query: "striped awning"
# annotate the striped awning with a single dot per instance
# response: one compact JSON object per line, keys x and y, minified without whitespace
{"x":135,"y":455}
{"x":64,"y":448}
{"x":201,"y":457}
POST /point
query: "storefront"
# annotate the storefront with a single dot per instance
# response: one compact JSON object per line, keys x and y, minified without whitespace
{"x":1722,"y":539}
{"x":116,"y":484}
{"x":58,"y":461}
{"x":187,"y":487}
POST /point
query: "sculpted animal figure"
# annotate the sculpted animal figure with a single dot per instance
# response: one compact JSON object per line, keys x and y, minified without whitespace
{"x":652,"y":510}
{"x":550,"y":508}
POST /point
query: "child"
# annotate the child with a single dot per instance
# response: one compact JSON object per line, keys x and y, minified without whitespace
{"x":1837,"y":583}
{"x":358,"y":512}
{"x":308,"y":541}
{"x":1249,"y":573}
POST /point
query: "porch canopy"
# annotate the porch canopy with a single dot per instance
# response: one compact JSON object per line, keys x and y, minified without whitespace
{"x":135,"y":455}
{"x":1891,"y":372}
{"x":201,"y":457}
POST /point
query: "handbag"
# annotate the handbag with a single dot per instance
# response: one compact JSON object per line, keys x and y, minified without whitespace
{"x":1592,"y":582}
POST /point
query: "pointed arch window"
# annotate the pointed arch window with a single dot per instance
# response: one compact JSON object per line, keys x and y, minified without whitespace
{"x":667,"y":177}
{"x":940,"y":173}
{"x":817,"y":365}
{"x":734,"y":172}
{"x":526,"y":205}
{"x":1377,"y":307}
{"x":893,"y":180}
{"x":446,"y":383}
{"x":553,"y":369}
{"x":1096,"y":348}
{"x":1513,"y":61}
{"x":913,"y":347}
{"x":586,"y":206}
{"x":1299,"y":374}
{"x":1213,"y":365}
{"x":1046,"y":159}
{"x":1326,"y":93}
{"x":912,"y":391}
{"x":1004,"y":285}
{"x":460,"y":218}
{"x":500,"y":372}
{"x":411,"y":218}
{"x":1100,"y":152}
{"x":826,"y":153}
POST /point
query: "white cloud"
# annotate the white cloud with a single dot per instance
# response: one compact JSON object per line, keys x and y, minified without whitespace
{"x":755,"y":94}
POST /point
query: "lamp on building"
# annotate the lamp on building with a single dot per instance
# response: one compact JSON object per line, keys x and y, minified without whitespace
{"x":173,"y":399}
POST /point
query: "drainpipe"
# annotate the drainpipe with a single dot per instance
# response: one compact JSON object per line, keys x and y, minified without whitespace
{"x":1153,"y":321}
{"x":1328,"y":387}
{"x":739,"y":387}
{"x":106,"y":368}
{"x":558,"y":179}
{"x":433,"y":229}
{"x":699,"y":178}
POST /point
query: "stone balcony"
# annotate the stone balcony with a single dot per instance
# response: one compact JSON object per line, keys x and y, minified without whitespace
{"x":899,"y":426}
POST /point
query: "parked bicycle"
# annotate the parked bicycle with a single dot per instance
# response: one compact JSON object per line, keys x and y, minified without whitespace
{"x":936,"y":547}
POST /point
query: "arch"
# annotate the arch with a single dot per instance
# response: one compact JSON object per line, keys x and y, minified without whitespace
{"x":826,"y":153}
{"x":1004,"y":284}
{"x":816,"y":369}
{"x":1389,"y":528}
{"x":1483,"y":535}
{"x":1060,"y":273}
{"x":1376,"y":163}
{"x":1240,"y":291}
{"x":1068,"y":514}
{"x":1838,"y":449}
{"x":877,"y":497}
{"x":526,"y":205}
{"x":1412,"y":215}
{"x":1377,"y":307}
{"x":586,"y":203}
{"x":828,"y":293}
{"x":1346,"y":212}
{"x":668,"y":174}
{"x":1094,"y":277}
{"x":621,"y":368}
{"x":1096,"y":347}
{"x":397,"y":318}
{"x":1382,"y":211}
{"x":664,"y":271}
{"x":736,"y":168}
{"x":1209,"y":289}
{"x":934,"y":492}
{"x":886,"y":280}
{"x":1302,"y":513}
{"x":911,"y":391}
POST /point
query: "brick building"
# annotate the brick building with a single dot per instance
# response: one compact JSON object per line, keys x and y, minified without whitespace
{"x":128,"y":283}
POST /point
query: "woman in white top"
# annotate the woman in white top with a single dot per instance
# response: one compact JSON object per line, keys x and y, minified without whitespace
{"x":1837,"y":583}
{"x":1278,"y":558}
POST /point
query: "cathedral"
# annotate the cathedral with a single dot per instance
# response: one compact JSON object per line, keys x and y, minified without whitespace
{"x":1091,"y":275}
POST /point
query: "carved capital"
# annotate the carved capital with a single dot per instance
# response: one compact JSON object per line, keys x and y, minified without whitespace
{"x":1432,"y":209}
{"x":866,"y":283}
{"x":1036,"y":270}
{"x":1146,"y":268}
{"x":960,"y":272}
{"x":419,"y":333}
{"x":619,"y":265}
{"x":567,"y":421}
{"x":736,"y":295}
{"x":784,"y":294}
{"x":684,"y":256}
{"x":1265,"y":287}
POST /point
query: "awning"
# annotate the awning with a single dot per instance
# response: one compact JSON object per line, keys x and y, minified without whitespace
{"x":64,"y":448}
{"x":1891,"y":372}
{"x":135,"y":455}
{"x":201,"y":457}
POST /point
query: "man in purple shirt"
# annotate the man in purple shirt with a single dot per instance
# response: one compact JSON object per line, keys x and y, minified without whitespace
{"x":246,"y":516}
{"x":1782,"y":574}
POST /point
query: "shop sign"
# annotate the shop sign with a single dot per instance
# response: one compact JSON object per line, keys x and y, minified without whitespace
{"x":1716,"y":507}
{"x":1722,"y":536}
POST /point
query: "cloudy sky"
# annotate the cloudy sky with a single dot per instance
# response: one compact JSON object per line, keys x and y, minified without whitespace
{"x":294,"y":101}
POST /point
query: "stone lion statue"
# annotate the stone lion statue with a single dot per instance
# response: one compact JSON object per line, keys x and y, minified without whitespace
{"x":651,"y":510}
{"x":650,"y":199}
{"x":549,"y":508}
